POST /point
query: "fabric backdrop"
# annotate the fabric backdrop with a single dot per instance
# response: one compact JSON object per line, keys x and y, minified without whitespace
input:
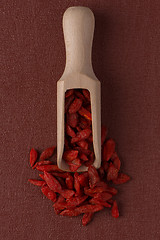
{"x":126,"y":59}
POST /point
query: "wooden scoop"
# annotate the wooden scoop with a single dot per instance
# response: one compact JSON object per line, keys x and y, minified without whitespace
{"x":78,"y":28}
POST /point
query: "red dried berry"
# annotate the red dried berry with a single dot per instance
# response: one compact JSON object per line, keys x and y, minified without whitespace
{"x":48,"y":193}
{"x":112,"y":173}
{"x":77,"y":185}
{"x":52,"y":182}
{"x":68,"y":101}
{"x":83,"y":179}
{"x":100,"y":202}
{"x":83,"y":157}
{"x":75,"y":201}
{"x":84,"y":123}
{"x":69,"y":93}
{"x":116,"y":161}
{"x":93,"y":176}
{"x":33,"y":157}
{"x":43,"y":162}
{"x":69,"y":182}
{"x":72,"y":119}
{"x":70,"y":132}
{"x":82,"y":135}
{"x":85,"y":113}
{"x":86,"y":93}
{"x":87,"y":217}
{"x":47,"y":153}
{"x":90,"y":161}
{"x":48,"y":168}
{"x":70,"y":155}
{"x":122,"y":178}
{"x":75,"y":105}
{"x":108,"y":149}
{"x":80,"y":95}
{"x":83,"y":144}
{"x":35,"y":182}
{"x":74,"y":165}
{"x":115,"y":212}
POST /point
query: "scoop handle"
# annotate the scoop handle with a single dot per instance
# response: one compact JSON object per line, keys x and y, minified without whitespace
{"x":78,"y":29}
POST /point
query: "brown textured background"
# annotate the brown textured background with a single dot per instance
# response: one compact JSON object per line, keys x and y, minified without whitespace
{"x":126,"y":58}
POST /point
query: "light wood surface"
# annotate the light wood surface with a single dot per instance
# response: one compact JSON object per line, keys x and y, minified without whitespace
{"x":78,"y":28}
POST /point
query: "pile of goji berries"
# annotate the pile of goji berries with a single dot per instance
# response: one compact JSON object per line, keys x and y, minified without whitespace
{"x":80,"y":193}
{"x":78,"y":147}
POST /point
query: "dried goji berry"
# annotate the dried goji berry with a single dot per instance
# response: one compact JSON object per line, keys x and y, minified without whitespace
{"x":83,"y":144}
{"x":100,"y":202}
{"x":33,"y":157}
{"x":77,"y":185}
{"x":102,"y":184}
{"x":74,"y":165}
{"x":82,"y":135}
{"x":90,"y":161}
{"x":86,"y":93}
{"x":37,"y":182}
{"x":82,"y":209}
{"x":70,"y":132}
{"x":87,"y":152}
{"x":67,"y":193}
{"x":47,"y":153}
{"x":83,"y":123}
{"x":70,"y":155}
{"x":68,"y":101}
{"x":44,"y":162}
{"x":83,"y":157}
{"x":52,"y":182}
{"x":48,"y":168}
{"x":72,"y":119}
{"x":112,"y":172}
{"x":78,"y":129}
{"x":83,"y":179}
{"x":85,"y":113}
{"x":122,"y":178}
{"x":69,"y":182}
{"x":116,"y":161}
{"x":69,"y":93}
{"x":93,"y":176}
{"x":80,"y":95}
{"x":111,"y":190}
{"x":69,"y":213}
{"x":48,"y":193}
{"x":41,"y":176}
{"x":61,"y":181}
{"x":89,"y":208}
{"x":87,"y":217}
{"x":108,"y":149}
{"x":60,"y":204}
{"x":75,"y":105}
{"x":60,"y":174}
{"x":75,"y":201}
{"x":115,"y":212}
{"x":104,"y":196}
{"x":91,"y":191}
